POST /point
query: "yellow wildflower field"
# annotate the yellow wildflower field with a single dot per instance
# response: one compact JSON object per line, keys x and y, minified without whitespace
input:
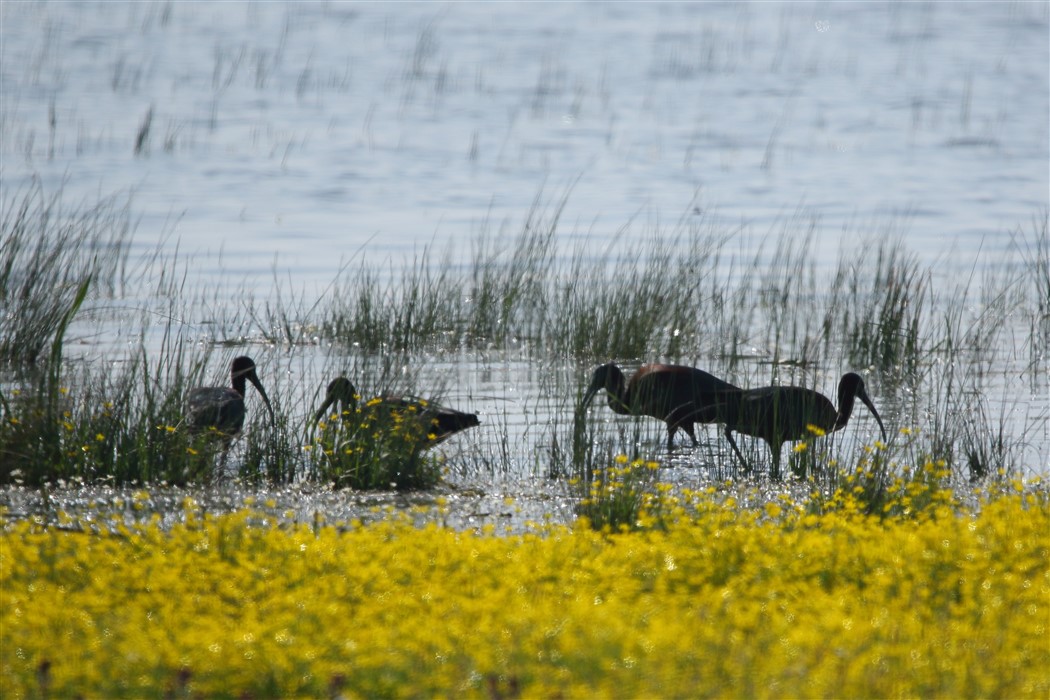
{"x":718,"y":602}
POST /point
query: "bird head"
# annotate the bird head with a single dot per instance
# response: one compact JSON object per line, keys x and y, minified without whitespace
{"x":850,"y":387}
{"x":243,"y":368}
{"x":340,"y":390}
{"x":608,"y":377}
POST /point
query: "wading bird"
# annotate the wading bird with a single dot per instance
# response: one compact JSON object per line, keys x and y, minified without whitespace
{"x":221,"y":407}
{"x":679,"y":396}
{"x":780,"y":414}
{"x":437,"y":423}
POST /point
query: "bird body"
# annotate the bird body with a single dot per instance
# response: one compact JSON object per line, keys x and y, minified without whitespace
{"x":222,"y":407}
{"x":678,"y":395}
{"x":780,"y":414}
{"x":437,"y":423}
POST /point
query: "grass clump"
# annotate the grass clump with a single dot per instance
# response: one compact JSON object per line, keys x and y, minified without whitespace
{"x":879,"y":306}
{"x":96,"y":425}
{"x":48,"y":252}
{"x":621,"y":497}
{"x":877,"y":487}
{"x":373,"y":446}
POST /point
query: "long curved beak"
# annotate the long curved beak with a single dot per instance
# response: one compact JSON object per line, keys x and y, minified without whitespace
{"x":588,"y":396}
{"x":863,"y":396}
{"x":593,"y":389}
{"x":323,"y":410}
{"x":254,"y":379}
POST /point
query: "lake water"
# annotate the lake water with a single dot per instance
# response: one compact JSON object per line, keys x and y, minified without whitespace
{"x":291,"y":139}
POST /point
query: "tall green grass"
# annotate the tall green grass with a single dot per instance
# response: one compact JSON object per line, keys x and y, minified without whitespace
{"x":683,"y":294}
{"x":48,"y":251}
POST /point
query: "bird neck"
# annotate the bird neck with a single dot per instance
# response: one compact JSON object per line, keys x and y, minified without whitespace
{"x":619,"y":405}
{"x":619,"y":401}
{"x":846,"y":400}
{"x":239,"y":383}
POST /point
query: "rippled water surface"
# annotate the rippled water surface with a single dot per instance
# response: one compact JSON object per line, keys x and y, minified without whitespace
{"x":265,"y":142}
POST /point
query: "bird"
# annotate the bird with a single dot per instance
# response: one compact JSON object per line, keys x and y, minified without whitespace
{"x":222,"y":407}
{"x":438,"y":423}
{"x":680,"y":396}
{"x":780,"y":414}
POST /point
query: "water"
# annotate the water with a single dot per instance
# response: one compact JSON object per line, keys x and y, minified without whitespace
{"x":308,"y":131}
{"x":288,"y":140}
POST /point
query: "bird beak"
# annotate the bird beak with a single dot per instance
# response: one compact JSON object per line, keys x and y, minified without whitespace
{"x":254,"y":379}
{"x":863,"y":396}
{"x":591,"y":391}
{"x":324,"y":408}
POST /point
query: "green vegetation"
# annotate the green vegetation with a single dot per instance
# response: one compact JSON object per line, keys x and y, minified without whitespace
{"x":677,"y":297}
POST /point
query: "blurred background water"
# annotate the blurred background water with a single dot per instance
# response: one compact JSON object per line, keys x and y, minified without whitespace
{"x":292,"y":140}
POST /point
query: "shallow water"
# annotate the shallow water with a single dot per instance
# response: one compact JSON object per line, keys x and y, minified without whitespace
{"x":290,"y":141}
{"x":305,"y":133}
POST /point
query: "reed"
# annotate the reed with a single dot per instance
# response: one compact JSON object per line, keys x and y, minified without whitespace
{"x":1034,"y":250}
{"x":48,"y":251}
{"x":678,"y":296}
{"x":877,"y":307}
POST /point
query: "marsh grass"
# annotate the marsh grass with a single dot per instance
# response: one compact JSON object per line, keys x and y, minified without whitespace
{"x":898,"y":482}
{"x":48,"y":250}
{"x":878,"y":305}
{"x":105,"y":425}
{"x":680,"y":296}
{"x":622,"y":496}
{"x":1034,"y":249}
{"x":374,"y":448}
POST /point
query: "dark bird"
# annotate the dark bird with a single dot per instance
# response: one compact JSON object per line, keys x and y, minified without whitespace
{"x":438,"y":423}
{"x":780,"y":414}
{"x":679,"y":396}
{"x":222,"y":407}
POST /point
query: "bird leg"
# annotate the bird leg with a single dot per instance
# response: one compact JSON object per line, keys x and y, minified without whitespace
{"x":681,"y":417}
{"x":732,"y":443}
{"x":774,"y":469}
{"x":688,"y":428}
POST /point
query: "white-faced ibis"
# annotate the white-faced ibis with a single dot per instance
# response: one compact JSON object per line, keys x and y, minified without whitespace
{"x":780,"y":414}
{"x":222,"y":407}
{"x":437,"y":423}
{"x":679,"y":396}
